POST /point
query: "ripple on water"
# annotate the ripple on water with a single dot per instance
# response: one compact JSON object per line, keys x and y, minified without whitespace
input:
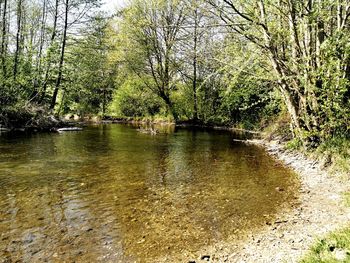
{"x":110,"y":193}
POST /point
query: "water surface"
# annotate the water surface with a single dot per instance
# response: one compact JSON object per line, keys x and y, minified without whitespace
{"x":113,"y":194}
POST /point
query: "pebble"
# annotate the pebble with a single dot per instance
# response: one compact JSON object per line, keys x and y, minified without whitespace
{"x":205,"y":257}
{"x":279,"y":189}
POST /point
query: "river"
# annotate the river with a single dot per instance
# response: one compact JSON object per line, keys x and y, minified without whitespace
{"x":113,"y":194}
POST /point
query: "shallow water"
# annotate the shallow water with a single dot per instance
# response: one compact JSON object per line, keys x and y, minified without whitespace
{"x":113,"y":194}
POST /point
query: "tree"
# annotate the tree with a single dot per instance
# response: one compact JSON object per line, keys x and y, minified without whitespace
{"x":196,"y":50}
{"x":69,"y":6}
{"x":32,"y":67}
{"x":93,"y":74}
{"x":151,"y":30}
{"x":50,"y":50}
{"x":294,"y":37}
{"x":3,"y":39}
{"x":63,"y":48}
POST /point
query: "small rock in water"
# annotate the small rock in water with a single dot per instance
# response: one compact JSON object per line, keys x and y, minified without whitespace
{"x":206,"y":257}
{"x":279,"y":189}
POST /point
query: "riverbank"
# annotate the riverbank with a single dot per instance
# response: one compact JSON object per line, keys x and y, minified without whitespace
{"x":321,"y":209}
{"x":182,"y":124}
{"x":39,"y":120}
{"x":29,"y":119}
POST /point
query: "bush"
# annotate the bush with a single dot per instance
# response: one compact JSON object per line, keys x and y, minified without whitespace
{"x":133,"y":100}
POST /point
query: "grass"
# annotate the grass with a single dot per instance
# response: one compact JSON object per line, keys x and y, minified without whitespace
{"x":333,"y":248}
{"x":152,"y":119}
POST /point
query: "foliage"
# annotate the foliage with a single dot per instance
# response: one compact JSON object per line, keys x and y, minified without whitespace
{"x":131,"y":100}
{"x":219,"y":62}
{"x":334,"y":153}
{"x":307,"y":52}
{"x":294,"y":144}
{"x":35,"y":40}
{"x":91,"y":82}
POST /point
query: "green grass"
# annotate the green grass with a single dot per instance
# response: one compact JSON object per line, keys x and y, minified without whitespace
{"x":333,"y":248}
{"x":294,"y":144}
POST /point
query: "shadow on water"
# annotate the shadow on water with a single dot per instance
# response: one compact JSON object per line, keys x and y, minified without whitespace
{"x":111,"y":193}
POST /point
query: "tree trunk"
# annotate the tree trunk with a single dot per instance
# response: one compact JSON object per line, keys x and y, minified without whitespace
{"x":53,"y":36}
{"x":284,"y":87}
{"x":38,"y":62}
{"x":18,"y":38}
{"x":194,"y":83}
{"x":60,"y":67}
{"x":3,"y":40}
{"x":170,"y":105}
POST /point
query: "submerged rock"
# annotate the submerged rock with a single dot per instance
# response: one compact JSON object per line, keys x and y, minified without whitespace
{"x":279,"y":189}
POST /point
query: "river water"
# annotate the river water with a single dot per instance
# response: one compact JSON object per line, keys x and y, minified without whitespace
{"x":113,"y":194}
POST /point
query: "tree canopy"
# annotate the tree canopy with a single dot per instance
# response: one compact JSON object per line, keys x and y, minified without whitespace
{"x":227,"y":62}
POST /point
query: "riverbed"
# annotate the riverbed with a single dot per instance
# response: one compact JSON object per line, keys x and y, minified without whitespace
{"x":111,"y":193}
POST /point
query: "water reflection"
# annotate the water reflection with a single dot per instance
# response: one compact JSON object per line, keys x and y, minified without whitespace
{"x":113,"y":194}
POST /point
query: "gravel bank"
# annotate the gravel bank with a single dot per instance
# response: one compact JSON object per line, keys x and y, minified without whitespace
{"x":321,"y":210}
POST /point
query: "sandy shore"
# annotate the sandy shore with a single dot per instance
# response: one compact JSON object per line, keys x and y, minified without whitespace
{"x":321,"y":210}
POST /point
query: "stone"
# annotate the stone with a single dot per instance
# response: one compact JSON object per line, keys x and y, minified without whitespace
{"x":279,"y":189}
{"x":340,"y":255}
{"x":205,"y":257}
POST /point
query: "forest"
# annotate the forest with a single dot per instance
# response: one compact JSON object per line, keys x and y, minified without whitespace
{"x":236,"y":63}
